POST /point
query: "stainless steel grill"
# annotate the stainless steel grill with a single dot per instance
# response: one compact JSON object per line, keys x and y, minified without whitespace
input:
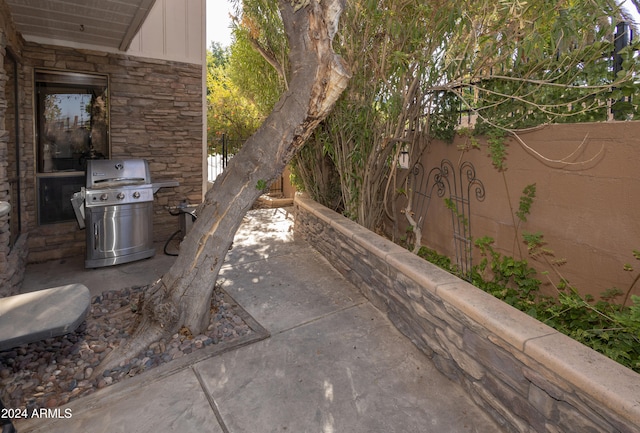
{"x":117,"y":202}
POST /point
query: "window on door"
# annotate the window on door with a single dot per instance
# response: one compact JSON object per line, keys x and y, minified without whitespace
{"x":72,"y":124}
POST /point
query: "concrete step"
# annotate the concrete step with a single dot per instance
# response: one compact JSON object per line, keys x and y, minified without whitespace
{"x":42,"y":314}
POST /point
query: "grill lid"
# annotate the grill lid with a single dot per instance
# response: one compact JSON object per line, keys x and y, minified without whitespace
{"x":110,"y":173}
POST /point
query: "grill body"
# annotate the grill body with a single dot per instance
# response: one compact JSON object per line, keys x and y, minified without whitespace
{"x":118,"y":209}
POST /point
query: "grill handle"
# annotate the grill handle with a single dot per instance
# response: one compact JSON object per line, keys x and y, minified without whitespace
{"x":96,"y":235}
{"x":121,"y":180}
{"x":77,"y":202}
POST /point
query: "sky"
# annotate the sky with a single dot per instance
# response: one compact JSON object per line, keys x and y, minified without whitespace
{"x":218,"y":22}
{"x":626,"y":4}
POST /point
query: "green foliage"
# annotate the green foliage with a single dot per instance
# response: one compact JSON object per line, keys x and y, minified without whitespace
{"x":437,"y":259}
{"x":389,"y":50}
{"x":217,"y":56}
{"x":228,"y":111}
{"x":311,"y":163}
{"x":533,"y":64}
{"x":606,"y":326}
{"x":443,"y":120}
{"x":497,"y":149}
{"x":251,"y":73}
{"x":295,"y":178}
{"x":471,"y":142}
{"x":505,"y":277}
{"x":261,"y":185}
{"x":536,"y":248}
{"x":526,"y":200}
{"x":451,"y":205}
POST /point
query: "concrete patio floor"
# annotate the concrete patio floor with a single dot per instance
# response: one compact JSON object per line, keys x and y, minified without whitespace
{"x":332,"y":362}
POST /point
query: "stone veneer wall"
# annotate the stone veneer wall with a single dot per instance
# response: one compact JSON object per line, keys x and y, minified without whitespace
{"x":525,"y":374}
{"x":6,"y":273}
{"x":12,"y":260}
{"x":155,"y":114}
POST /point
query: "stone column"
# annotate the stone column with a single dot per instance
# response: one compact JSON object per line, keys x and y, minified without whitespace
{"x":6,"y":271}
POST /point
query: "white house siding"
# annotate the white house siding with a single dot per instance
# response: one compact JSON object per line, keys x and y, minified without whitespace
{"x":174,"y":30}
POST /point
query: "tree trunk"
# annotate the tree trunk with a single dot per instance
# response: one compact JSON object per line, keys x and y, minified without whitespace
{"x":318,"y":76}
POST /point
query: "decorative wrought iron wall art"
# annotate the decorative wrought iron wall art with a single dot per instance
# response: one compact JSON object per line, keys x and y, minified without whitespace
{"x":461,"y":184}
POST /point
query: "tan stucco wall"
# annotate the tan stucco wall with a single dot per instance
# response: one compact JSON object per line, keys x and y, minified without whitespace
{"x":586,"y":205}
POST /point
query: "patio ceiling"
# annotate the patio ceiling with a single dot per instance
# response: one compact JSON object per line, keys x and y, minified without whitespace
{"x":103,"y":23}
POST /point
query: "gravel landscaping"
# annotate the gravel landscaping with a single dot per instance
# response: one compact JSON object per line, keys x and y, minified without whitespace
{"x":52,"y":372}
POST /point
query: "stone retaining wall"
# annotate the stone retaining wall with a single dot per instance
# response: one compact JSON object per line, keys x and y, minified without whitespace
{"x":528,"y":376}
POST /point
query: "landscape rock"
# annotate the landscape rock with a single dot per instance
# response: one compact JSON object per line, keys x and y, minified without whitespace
{"x":54,"y":371}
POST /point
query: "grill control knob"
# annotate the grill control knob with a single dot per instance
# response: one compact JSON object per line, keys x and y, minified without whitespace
{"x":136,"y":194}
{"x":120,"y":196}
{"x":104,"y":196}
